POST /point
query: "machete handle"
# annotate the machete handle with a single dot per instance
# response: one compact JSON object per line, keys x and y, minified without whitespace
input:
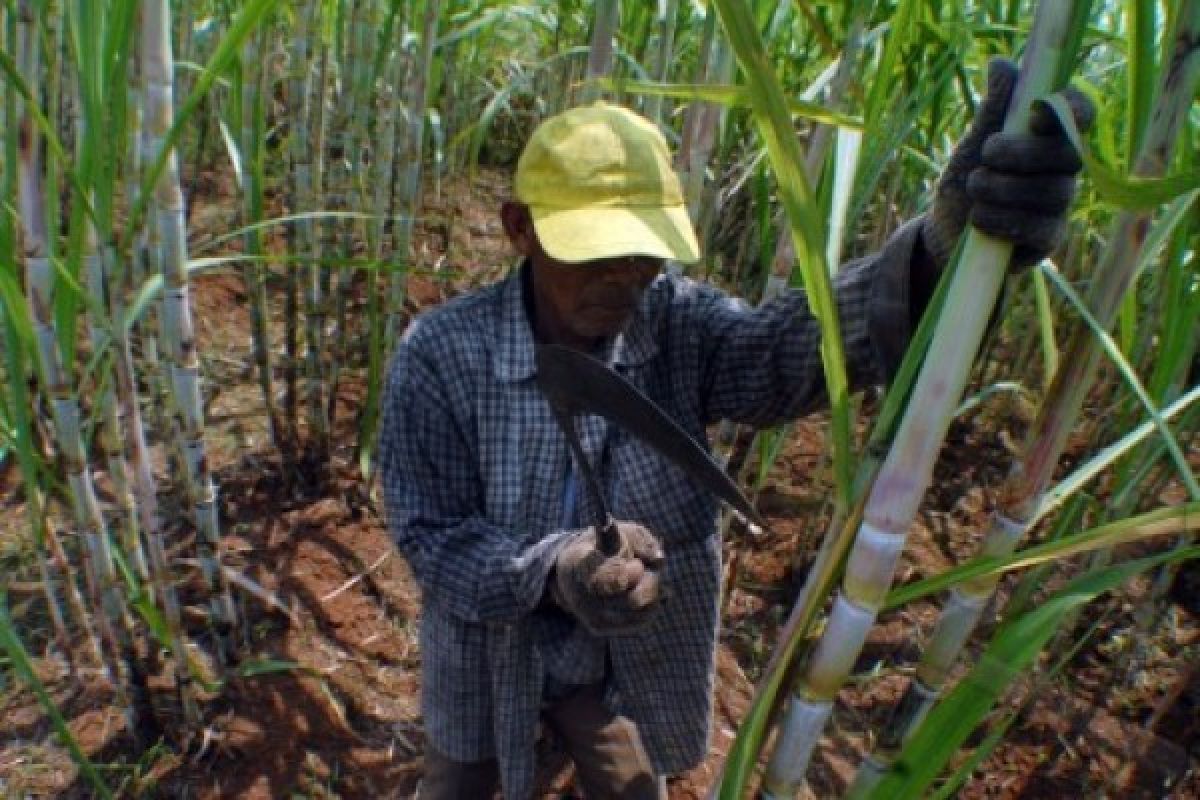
{"x":608,"y":538}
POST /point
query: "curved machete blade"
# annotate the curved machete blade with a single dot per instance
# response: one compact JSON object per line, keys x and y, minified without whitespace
{"x":579,"y":384}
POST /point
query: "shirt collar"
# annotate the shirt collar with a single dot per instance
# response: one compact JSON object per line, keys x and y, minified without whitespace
{"x":513,"y":358}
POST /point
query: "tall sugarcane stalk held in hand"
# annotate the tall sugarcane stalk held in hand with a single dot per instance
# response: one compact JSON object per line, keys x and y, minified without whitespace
{"x":905,"y":474}
{"x":1031,"y":473}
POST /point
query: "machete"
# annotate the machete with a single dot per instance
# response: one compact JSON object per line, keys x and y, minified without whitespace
{"x":575,"y":383}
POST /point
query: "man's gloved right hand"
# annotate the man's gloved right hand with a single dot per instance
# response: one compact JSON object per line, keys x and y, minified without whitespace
{"x":610,"y":594}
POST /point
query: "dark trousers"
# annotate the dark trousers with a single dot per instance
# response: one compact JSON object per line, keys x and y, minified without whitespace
{"x":610,"y":763}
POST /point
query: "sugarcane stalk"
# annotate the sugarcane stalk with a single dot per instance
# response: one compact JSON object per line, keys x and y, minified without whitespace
{"x":377,"y":234}
{"x":253,"y":272}
{"x":96,"y":111}
{"x":605,"y":24}
{"x":668,"y":13}
{"x":298,"y":235}
{"x":53,"y":70}
{"x":15,"y":364}
{"x":145,"y":488}
{"x":561,"y":89}
{"x":177,"y":317}
{"x":700,"y":126}
{"x":358,"y":140}
{"x":906,"y":470}
{"x":784,"y":261}
{"x":340,"y":232}
{"x":54,"y":567}
{"x":450,"y":101}
{"x":99,"y":569}
{"x":143,"y":252}
{"x":32,"y":210}
{"x":408,"y":195}
{"x":1030,"y":476}
{"x":111,"y":427}
{"x":58,"y":619}
{"x":185,"y":52}
{"x":89,"y":118}
{"x":314,"y":301}
{"x":8,"y":111}
{"x":338,"y":194}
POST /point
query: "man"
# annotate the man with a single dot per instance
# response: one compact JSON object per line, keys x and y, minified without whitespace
{"x":524,"y":620}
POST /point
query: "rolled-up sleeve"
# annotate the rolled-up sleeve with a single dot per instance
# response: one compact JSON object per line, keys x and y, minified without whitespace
{"x":434,"y":499}
{"x":762,"y":366}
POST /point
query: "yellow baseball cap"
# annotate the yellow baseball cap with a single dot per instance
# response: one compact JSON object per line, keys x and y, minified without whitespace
{"x":599,"y":184}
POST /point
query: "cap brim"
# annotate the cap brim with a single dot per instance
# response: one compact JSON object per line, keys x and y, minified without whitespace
{"x":586,"y":234}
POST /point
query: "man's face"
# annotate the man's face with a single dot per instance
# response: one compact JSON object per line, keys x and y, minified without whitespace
{"x":577,"y":305}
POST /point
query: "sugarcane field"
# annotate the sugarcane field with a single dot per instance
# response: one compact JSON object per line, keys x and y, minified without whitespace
{"x":570,"y":399}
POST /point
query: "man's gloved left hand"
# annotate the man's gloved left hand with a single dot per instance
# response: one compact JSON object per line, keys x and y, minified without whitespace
{"x":1016,"y":187}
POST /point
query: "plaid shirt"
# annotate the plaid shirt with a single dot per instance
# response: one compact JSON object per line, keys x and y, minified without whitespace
{"x":474,"y":469}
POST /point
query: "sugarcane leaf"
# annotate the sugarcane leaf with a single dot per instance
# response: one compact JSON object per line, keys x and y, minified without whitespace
{"x":742,"y":757}
{"x":901,"y":31}
{"x":285,"y":219}
{"x":20,"y":661}
{"x":476,"y":132}
{"x":1009,"y":655}
{"x":235,"y":155}
{"x":140,"y":599}
{"x":1128,"y":374}
{"x":844,"y":161}
{"x":889,"y":133}
{"x":1045,"y":318}
{"x":987,"y":392}
{"x":729,"y":96}
{"x":807,"y":225}
{"x":1108,"y":456}
{"x":17,"y":340}
{"x":115,"y":59}
{"x":1123,"y":191}
{"x":479,"y":21}
{"x":15,"y":307}
{"x":1180,"y":210}
{"x":254,"y":669}
{"x":383,"y":45}
{"x":256,"y":589}
{"x":150,"y":289}
{"x":999,"y":729}
{"x":1161,"y":522}
{"x":1141,"y":73}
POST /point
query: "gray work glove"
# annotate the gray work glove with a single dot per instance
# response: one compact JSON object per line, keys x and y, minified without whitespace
{"x":1016,"y":187}
{"x":609,"y":594}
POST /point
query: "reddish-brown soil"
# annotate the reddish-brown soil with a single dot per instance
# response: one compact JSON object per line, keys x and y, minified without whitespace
{"x":1122,"y":721}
